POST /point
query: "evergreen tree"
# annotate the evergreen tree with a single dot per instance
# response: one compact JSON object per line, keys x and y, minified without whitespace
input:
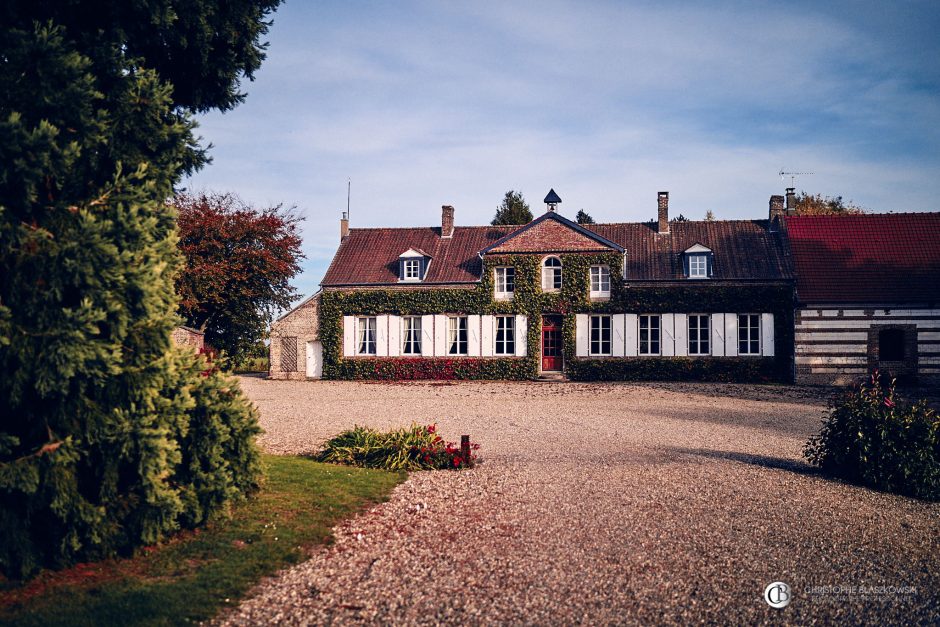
{"x":709,"y":216}
{"x":584,"y":218}
{"x":513,"y":210}
{"x":110,"y":437}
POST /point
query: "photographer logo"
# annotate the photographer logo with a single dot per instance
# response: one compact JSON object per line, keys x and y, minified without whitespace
{"x":778,"y":595}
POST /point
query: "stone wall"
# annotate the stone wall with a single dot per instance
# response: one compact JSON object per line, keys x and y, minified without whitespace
{"x":841,"y":345}
{"x":185,"y":336}
{"x":289,"y":337}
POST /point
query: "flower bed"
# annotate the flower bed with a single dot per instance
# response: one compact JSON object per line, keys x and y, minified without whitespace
{"x":413,"y":448}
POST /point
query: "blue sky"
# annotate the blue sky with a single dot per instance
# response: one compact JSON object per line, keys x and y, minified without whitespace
{"x":422,"y":104}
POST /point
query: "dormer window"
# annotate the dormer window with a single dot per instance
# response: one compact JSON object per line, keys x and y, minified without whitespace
{"x":551,"y":274}
{"x":413,"y":265}
{"x":698,"y":262}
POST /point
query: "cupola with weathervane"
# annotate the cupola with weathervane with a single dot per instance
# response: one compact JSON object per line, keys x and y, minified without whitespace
{"x":552,"y":200}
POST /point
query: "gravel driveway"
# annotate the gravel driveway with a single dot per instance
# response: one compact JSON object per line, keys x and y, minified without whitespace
{"x":600,"y":504}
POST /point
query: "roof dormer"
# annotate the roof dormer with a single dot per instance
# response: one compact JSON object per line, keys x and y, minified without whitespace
{"x":413,"y":265}
{"x":698,"y":262}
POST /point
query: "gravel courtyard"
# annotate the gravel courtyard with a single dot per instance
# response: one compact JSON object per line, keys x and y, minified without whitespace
{"x":600,"y":504}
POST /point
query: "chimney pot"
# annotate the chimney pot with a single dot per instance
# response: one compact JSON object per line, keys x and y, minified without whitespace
{"x":343,"y":227}
{"x":791,"y":200}
{"x":663,"y":206}
{"x":447,"y":221}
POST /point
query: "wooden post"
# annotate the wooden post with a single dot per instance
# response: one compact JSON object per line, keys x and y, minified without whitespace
{"x":465,"y":449}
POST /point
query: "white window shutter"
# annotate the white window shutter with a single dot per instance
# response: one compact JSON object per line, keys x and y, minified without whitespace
{"x":487,"y":336}
{"x":582,"y":332}
{"x":667,"y":336}
{"x":631,"y":345}
{"x":617,"y":334}
{"x":767,"y":333}
{"x":682,"y":335}
{"x":731,"y":335}
{"x":427,"y":336}
{"x":440,"y":335}
{"x":522,"y":332}
{"x":473,"y":336}
{"x":349,"y":336}
{"x":718,"y":335}
{"x":381,"y":336}
{"x":394,"y":336}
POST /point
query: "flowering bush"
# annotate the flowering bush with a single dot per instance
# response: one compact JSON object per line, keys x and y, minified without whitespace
{"x":413,"y":448}
{"x":872,"y":437}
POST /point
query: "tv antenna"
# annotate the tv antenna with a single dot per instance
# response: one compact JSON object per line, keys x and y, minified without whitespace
{"x":348,"y":193}
{"x":793,"y":176}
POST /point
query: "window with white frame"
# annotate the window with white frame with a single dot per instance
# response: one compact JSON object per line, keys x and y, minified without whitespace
{"x":411,"y":335}
{"x":699,"y":334}
{"x":600,"y":335}
{"x":600,"y":281}
{"x":366,"y":340}
{"x":649,"y":334}
{"x":698,"y":266}
{"x":505,"y":281}
{"x":457,"y":335}
{"x":505,"y":335}
{"x":749,"y":334}
{"x":412,"y":269}
{"x":551,"y":274}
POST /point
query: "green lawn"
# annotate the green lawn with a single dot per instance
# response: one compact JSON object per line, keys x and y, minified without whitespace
{"x":192,"y":577}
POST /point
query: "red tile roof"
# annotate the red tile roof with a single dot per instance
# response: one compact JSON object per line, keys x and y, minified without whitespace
{"x":870,"y":258}
{"x":742,"y":249}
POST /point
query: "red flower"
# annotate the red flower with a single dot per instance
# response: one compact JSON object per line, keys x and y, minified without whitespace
{"x":432,"y":428}
{"x":888,"y":402}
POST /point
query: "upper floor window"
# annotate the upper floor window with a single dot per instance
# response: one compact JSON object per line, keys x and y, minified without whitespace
{"x":600,"y":281}
{"x":649,"y":334}
{"x":551,"y":274}
{"x":698,"y":266}
{"x":411,"y":335}
{"x":697,"y":262}
{"x":412,"y":269}
{"x":505,"y":335}
{"x":600,"y":335}
{"x":505,"y":281}
{"x":749,"y":334}
{"x":699,"y":334}
{"x":366,"y":343}
{"x":457,"y":335}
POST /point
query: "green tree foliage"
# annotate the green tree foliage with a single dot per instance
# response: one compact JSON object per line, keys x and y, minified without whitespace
{"x":819,"y":205}
{"x":238,"y":263}
{"x":109,"y":437}
{"x":584,"y":217}
{"x":513,"y":210}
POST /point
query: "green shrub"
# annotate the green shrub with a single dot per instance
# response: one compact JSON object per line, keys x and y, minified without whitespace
{"x":873,"y":438}
{"x":413,"y":448}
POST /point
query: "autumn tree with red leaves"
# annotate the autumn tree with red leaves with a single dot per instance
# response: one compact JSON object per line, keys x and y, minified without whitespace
{"x":238,"y":263}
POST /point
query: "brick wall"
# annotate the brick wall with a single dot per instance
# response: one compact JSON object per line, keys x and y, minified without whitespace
{"x":293,"y":331}
{"x":184,"y":336}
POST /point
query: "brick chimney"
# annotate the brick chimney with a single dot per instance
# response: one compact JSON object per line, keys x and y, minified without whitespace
{"x":791,"y":200}
{"x":447,"y":221}
{"x":343,"y":227}
{"x":777,"y":211}
{"x":663,"y":203}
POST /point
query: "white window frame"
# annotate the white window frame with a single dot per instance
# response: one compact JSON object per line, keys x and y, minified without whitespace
{"x":649,"y":340}
{"x":457,"y":326}
{"x":702,"y":336}
{"x":751,"y":331}
{"x":366,"y":336}
{"x":411,"y":336}
{"x":501,"y":281}
{"x":698,"y":266}
{"x":505,"y":325}
{"x":595,"y":322}
{"x":602,"y":276}
{"x":551,"y":275}
{"x":411,"y":270}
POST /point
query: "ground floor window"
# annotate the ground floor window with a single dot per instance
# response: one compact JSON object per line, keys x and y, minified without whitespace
{"x":600,"y":335}
{"x":891,"y":345}
{"x":749,"y":334}
{"x":366,"y":336}
{"x":457,"y":335}
{"x":699,"y":334}
{"x":649,"y":334}
{"x":411,"y":336}
{"x":505,"y":335}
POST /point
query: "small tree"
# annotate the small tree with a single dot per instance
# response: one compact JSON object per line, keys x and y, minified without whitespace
{"x":819,"y":205}
{"x":680,"y":218}
{"x":584,"y":217}
{"x":513,"y":210}
{"x":709,"y":216}
{"x":238,"y":265}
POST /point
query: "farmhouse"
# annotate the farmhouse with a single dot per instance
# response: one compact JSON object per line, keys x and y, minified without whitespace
{"x":552,"y":298}
{"x":868,"y":288}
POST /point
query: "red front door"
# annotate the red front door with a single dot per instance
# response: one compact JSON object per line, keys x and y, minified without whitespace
{"x":552,"y":355}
